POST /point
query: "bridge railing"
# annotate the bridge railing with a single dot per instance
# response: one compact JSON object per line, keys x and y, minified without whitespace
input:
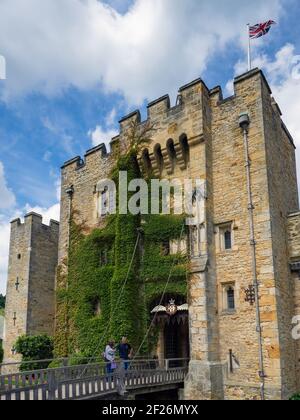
{"x":70,"y":382}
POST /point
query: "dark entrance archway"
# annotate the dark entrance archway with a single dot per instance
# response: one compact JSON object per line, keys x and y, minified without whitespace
{"x":172,"y":317}
{"x":176,"y":339}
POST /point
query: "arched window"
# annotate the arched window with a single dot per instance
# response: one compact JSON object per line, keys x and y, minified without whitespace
{"x":185,"y":148}
{"x":226,"y":237}
{"x":159,"y":157}
{"x":228,"y":298}
{"x":171,"y":151}
{"x":146,"y":161}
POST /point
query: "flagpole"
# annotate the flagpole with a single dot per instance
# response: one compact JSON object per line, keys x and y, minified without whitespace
{"x":249,"y":48}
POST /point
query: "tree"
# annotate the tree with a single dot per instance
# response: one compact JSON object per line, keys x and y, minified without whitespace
{"x":33,"y":348}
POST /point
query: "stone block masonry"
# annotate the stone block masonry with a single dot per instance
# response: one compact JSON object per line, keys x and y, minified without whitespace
{"x":199,"y":138}
{"x":31,"y":281}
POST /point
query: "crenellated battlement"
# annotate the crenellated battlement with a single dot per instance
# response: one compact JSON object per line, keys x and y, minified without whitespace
{"x":178,"y":128}
{"x":36,"y":219}
{"x":78,"y":162}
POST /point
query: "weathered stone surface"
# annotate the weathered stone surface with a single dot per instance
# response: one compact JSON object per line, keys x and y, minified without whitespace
{"x":217,"y":157}
{"x":215,"y":140}
{"x":31,"y":281}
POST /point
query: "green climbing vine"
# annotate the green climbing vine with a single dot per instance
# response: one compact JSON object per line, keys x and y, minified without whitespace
{"x":90,"y":309}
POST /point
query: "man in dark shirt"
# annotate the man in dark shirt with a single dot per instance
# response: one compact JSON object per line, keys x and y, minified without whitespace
{"x":125,"y":352}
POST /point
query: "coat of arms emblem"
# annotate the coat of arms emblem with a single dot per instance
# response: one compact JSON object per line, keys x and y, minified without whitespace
{"x":172,"y":308}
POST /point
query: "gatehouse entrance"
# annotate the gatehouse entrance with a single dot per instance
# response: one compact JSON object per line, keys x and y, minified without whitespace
{"x":173,"y":320}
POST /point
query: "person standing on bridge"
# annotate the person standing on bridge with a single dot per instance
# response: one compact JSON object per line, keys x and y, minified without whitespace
{"x":110,"y":356}
{"x":125,"y":352}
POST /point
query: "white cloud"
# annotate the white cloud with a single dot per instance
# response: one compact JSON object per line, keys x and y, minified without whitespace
{"x":100,"y":135}
{"x":7,"y":197}
{"x":155,"y":46}
{"x":104,"y":134}
{"x":52,"y":212}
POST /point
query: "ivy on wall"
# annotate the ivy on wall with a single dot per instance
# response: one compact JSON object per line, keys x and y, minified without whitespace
{"x":90,"y":310}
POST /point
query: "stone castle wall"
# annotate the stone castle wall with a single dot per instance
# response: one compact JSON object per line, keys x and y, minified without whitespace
{"x":199,"y":138}
{"x":283,"y":198}
{"x":215,"y":140}
{"x":31,"y":281}
{"x":293,"y":226}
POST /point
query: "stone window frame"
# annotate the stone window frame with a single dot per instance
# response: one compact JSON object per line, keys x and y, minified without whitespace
{"x":225,"y":310}
{"x":179,"y":246}
{"x":174,"y":247}
{"x":221,"y":230}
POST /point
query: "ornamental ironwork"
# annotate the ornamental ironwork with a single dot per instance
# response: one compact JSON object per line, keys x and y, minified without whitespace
{"x":250,"y":295}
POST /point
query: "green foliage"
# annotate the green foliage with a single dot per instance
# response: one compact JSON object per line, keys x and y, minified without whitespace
{"x":81,"y":330}
{"x":296,"y":397}
{"x":33,"y":348}
{"x":126,"y":313}
{"x":55,"y":364}
{"x":89,"y":282}
{"x":158,"y":269}
{"x":78,"y":360}
{"x":2,"y":301}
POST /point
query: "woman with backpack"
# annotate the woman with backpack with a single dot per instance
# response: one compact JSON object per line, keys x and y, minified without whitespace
{"x":109,"y":357}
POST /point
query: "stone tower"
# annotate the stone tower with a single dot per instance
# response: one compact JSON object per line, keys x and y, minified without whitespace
{"x":31,"y":281}
{"x":234,"y":355}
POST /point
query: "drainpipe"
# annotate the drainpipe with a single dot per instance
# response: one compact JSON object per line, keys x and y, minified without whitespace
{"x":70,"y":192}
{"x":244,"y":122}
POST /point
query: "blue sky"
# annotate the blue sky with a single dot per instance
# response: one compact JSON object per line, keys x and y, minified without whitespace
{"x":74,"y":67}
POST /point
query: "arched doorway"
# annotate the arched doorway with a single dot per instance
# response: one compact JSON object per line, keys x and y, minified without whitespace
{"x":173,"y":320}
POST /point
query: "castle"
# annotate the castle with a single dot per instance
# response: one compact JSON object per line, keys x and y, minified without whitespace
{"x":240,"y":290}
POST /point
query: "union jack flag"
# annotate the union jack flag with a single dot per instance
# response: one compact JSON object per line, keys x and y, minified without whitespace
{"x":260,"y":29}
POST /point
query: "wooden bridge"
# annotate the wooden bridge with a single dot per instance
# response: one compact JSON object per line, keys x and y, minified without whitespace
{"x":92,"y":382}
